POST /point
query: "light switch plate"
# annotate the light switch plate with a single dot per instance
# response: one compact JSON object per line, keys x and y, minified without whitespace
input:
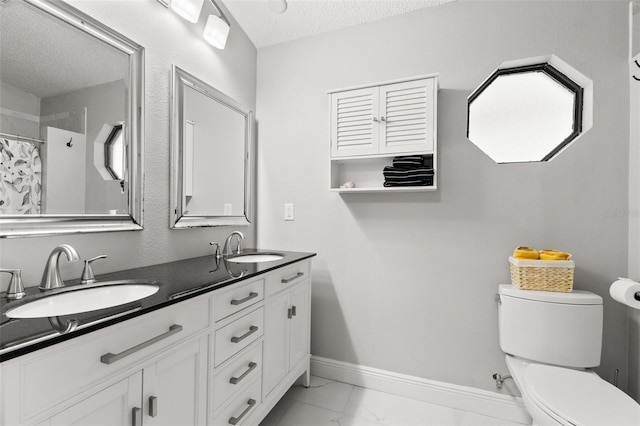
{"x":289,"y":212}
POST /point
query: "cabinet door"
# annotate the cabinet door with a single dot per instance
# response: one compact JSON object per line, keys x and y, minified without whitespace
{"x":407,"y":113}
{"x":299,"y":340}
{"x":119,"y":404}
{"x":175,"y":387}
{"x":354,"y":122}
{"x":276,"y":341}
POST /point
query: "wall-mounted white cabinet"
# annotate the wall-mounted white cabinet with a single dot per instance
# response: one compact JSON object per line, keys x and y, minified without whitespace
{"x":372,"y":124}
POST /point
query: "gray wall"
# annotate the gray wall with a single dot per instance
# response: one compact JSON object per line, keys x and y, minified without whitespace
{"x":406,"y":282}
{"x":168,"y":39}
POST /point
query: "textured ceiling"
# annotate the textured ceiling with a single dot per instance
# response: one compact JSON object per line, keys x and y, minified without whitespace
{"x":307,"y":17}
{"x":45,"y":56}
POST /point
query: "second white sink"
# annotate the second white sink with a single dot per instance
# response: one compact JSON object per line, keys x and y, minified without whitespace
{"x":83,"y":299}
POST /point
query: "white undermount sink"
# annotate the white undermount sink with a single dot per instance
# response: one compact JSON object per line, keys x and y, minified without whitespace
{"x":255,"y":258}
{"x":83,"y":299}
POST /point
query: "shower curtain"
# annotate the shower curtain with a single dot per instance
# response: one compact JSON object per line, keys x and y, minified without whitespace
{"x":20,"y":177}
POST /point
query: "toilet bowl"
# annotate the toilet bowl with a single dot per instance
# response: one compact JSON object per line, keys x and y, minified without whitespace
{"x":564,"y":396}
{"x":551,"y":342}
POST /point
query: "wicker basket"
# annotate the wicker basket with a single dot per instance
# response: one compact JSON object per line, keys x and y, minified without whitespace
{"x":543,"y":275}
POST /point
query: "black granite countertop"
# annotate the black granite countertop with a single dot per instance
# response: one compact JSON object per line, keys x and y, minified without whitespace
{"x":178,"y":281}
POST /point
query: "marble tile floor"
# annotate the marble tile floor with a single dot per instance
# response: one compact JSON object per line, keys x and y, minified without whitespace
{"x":331,"y":403}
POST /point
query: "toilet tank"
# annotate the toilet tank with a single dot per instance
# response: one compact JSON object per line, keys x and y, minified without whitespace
{"x":556,"y":328}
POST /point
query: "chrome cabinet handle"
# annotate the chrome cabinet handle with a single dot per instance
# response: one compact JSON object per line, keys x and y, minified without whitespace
{"x":136,"y":416}
{"x":375,"y":119}
{"x":236,"y":380}
{"x":153,"y":406}
{"x":288,"y":280}
{"x":246,"y":299}
{"x":111,"y":358}
{"x":383,"y":119}
{"x":252,"y":330}
{"x":291,"y":312}
{"x":235,"y":420}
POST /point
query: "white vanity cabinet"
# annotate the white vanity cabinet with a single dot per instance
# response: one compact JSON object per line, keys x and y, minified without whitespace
{"x":287,"y":317}
{"x":372,"y":124}
{"x":171,"y":391}
{"x":202,"y":361}
{"x":114,"y":372}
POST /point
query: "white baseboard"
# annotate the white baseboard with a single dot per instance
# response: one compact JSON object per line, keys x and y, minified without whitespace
{"x":460,"y":397}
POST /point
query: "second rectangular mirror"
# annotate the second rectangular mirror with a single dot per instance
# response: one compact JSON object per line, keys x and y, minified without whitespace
{"x":210,"y":153}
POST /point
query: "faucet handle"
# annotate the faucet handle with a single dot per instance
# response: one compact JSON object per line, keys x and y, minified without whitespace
{"x":87,"y":272}
{"x":16,"y":289}
{"x":217,"y":252}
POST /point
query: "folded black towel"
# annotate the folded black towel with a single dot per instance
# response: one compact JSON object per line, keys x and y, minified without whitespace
{"x":408,"y":161}
{"x":400,"y":172}
{"x":419,"y":182}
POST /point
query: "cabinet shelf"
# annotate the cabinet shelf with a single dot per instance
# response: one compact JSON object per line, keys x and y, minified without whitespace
{"x":385,"y":189}
{"x":366,"y":173}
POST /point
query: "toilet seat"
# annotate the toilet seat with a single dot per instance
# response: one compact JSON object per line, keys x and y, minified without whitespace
{"x":575,"y":397}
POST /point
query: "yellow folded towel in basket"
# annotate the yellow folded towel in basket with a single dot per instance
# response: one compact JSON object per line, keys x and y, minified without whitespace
{"x":526,"y":253}
{"x":552,"y":254}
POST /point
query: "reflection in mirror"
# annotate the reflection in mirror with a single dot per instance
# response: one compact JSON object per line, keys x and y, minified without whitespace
{"x":211,"y":139}
{"x":529,"y":111}
{"x":70,"y":122}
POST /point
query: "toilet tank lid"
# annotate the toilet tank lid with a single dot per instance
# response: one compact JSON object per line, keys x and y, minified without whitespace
{"x":575,"y":297}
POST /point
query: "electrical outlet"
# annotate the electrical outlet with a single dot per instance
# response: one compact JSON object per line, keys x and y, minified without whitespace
{"x":289,"y":213}
{"x":228,"y":209}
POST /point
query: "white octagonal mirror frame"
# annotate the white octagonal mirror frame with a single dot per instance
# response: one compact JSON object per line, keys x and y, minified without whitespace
{"x":530,"y":110}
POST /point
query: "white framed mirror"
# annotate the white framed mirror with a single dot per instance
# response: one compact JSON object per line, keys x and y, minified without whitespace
{"x":529,"y":110}
{"x":211,"y":138}
{"x":71,"y":129}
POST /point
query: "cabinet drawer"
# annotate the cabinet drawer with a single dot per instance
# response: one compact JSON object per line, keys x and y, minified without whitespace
{"x":234,"y":376}
{"x":237,"y":298}
{"x":241,"y":407}
{"x":236,"y":336}
{"x":287,"y":277}
{"x":54,"y":375}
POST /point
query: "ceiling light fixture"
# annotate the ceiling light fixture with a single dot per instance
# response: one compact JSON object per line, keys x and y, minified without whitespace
{"x":188,"y":9}
{"x":216,"y":31}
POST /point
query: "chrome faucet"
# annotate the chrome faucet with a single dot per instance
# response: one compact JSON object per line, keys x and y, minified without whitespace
{"x":51,"y":277}
{"x":227,"y":244}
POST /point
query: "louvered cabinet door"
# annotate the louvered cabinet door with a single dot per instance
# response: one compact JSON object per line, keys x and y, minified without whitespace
{"x":354,"y":122}
{"x":407,"y":117}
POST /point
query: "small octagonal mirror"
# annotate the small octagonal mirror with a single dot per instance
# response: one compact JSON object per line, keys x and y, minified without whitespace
{"x":529,"y":110}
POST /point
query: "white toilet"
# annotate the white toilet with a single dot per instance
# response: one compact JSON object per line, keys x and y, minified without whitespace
{"x":552,"y":340}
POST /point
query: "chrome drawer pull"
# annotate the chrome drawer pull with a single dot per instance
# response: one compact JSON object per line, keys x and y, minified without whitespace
{"x":236,"y":380}
{"x":288,"y":280}
{"x":136,"y":416}
{"x":111,"y":358}
{"x":289,"y":313}
{"x":235,"y":420}
{"x":252,"y":330}
{"x":293,"y":311}
{"x":246,"y":299}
